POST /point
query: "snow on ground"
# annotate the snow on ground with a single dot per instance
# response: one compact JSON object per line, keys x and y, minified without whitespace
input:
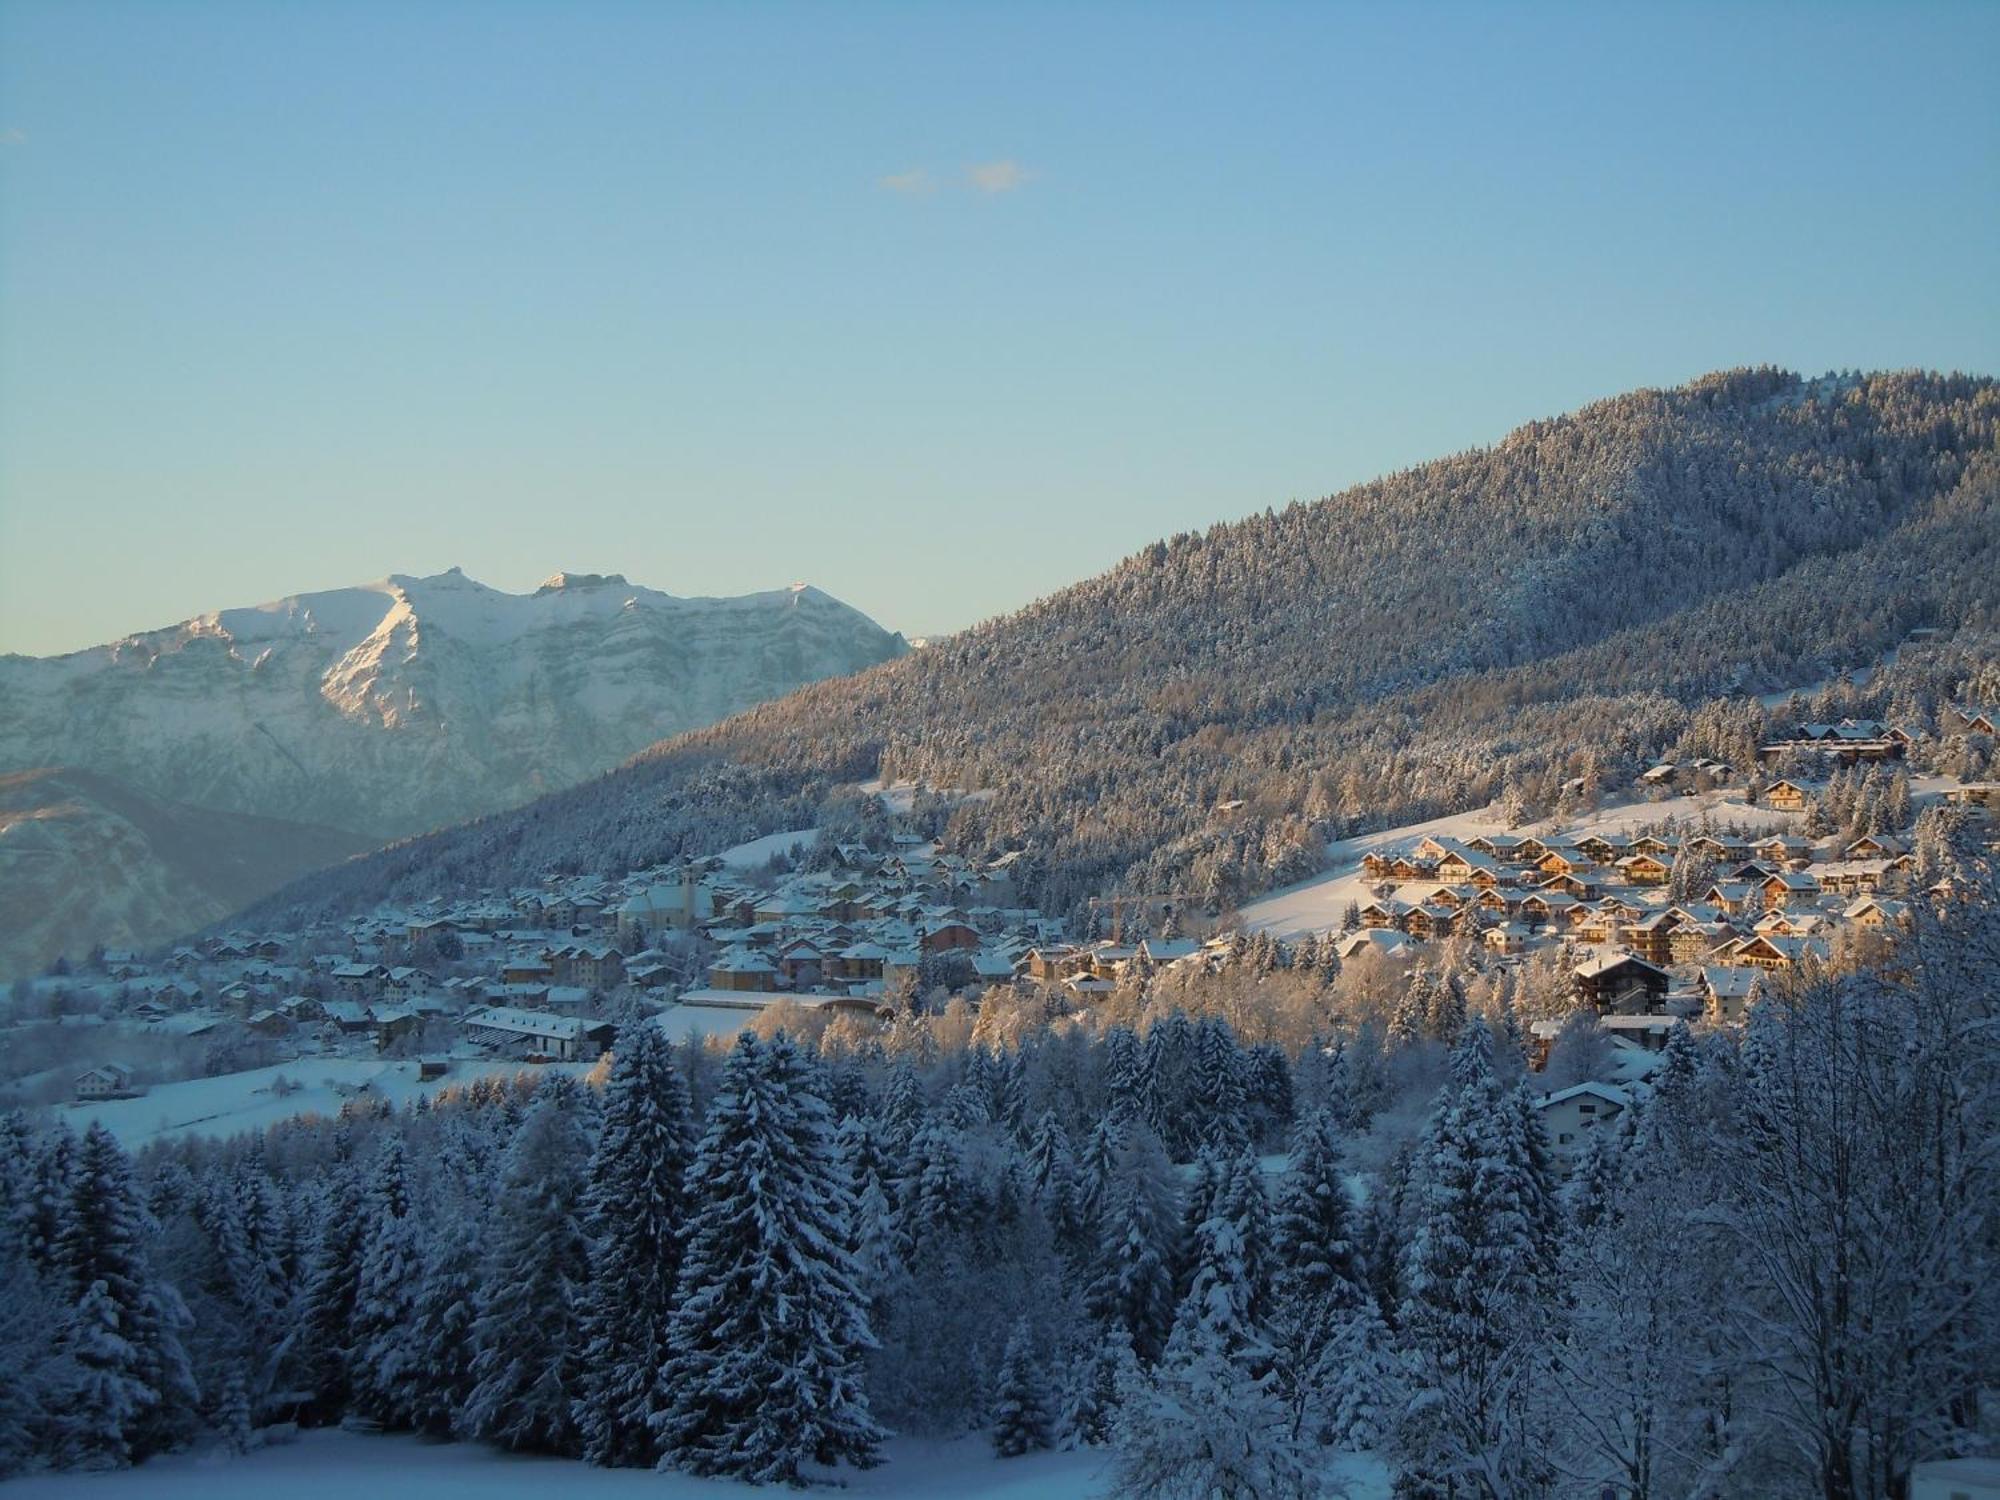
{"x":899,"y":797}
{"x":759,"y":851}
{"x":1315,"y":905}
{"x":332,"y":1465}
{"x":233,"y":1102}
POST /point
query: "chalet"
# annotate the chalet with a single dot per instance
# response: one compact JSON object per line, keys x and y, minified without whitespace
{"x":1590,"y":925}
{"x":1789,"y":796}
{"x":1645,"y":869}
{"x":269,"y":1023}
{"x":1161,"y":951}
{"x":106,"y":1081}
{"x":1726,"y":994}
{"x":1878,"y":912}
{"x":862,"y":962}
{"x":349,"y":1016}
{"x":358,"y":981}
{"x":1692,"y":941}
{"x":1500,"y":846}
{"x":1876,"y":846}
{"x":394,"y":1022}
{"x":1505,"y":938}
{"x":1430,"y":920}
{"x":801,"y":964}
{"x":1568,"y":1115}
{"x":537,"y":970}
{"x":1660,"y":775}
{"x":1849,"y":877}
{"x":743,"y":969}
{"x":1382,"y":940}
{"x":948,"y":936}
{"x":1772,"y":952}
{"x":1651,"y":936}
{"x":1462,"y":865}
{"x":1564,"y":861}
{"x":1546,"y":908}
{"x":1980,"y":794}
{"x":1386,"y":911}
{"x":1788,"y":885}
{"x":1784,"y":849}
{"x":1599,"y":848}
{"x":1616,"y":981}
{"x":1721,"y":848}
{"x":1575,"y":886}
{"x":1972,"y":719}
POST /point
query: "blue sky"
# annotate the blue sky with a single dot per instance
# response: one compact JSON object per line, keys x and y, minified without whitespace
{"x":936,"y":306}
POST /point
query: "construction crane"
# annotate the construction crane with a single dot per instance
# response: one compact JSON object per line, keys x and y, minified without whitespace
{"x":1119,"y":903}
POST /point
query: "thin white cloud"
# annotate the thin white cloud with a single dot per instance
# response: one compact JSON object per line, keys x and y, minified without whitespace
{"x":1002,"y":176}
{"x":13,"y":137}
{"x":915,"y":183}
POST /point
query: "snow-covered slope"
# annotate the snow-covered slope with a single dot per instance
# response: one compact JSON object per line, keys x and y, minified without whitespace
{"x":414,"y":702}
{"x":88,"y":859}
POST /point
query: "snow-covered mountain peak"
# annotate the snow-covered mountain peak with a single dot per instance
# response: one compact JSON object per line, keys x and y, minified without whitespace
{"x":565,"y":582}
{"x":393,"y":706}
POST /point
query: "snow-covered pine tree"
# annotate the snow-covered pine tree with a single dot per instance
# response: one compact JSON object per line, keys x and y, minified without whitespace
{"x":635,"y":1209}
{"x":1219,"y":1081}
{"x":764,"y":1368}
{"x":1133,"y":1288}
{"x":322,"y":1352}
{"x":383,"y":1371}
{"x":1022,"y":1422}
{"x":1475,"y":1308}
{"x":1098,"y":1382}
{"x":528,"y":1335}
{"x":134,"y":1393}
{"x":442,"y":1318}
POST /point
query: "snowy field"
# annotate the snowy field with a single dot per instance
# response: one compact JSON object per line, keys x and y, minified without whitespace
{"x":341,"y":1465}
{"x":251,"y":1100}
{"x":759,"y":851}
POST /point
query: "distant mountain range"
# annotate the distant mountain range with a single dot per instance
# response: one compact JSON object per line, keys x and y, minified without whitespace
{"x":396,"y":707}
{"x":1201,"y":716}
{"x":88,"y":860}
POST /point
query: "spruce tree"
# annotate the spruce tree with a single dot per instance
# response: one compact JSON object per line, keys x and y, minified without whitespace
{"x":442,"y":1319}
{"x":1476,"y":1271}
{"x":134,"y":1391}
{"x":528,"y":1336}
{"x":324,"y":1352}
{"x":1021,"y":1417}
{"x":1132,"y":1291}
{"x":635,"y":1210}
{"x":764,"y":1367}
{"x":383,"y":1371}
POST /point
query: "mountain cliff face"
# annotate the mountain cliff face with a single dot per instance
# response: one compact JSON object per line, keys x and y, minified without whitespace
{"x":415,"y":702}
{"x":87,"y":860}
{"x":1199,"y":717}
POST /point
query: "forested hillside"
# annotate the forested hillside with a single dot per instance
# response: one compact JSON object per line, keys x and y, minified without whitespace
{"x":1554,"y":606}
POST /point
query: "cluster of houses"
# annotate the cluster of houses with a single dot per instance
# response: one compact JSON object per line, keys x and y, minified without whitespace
{"x":530,"y":974}
{"x":1763,"y":903}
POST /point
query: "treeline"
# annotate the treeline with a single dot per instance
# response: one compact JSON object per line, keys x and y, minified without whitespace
{"x":1775,"y":1276}
{"x":1548,"y":611}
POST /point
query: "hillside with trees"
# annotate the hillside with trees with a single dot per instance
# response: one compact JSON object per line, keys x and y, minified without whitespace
{"x":1559,"y":606}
